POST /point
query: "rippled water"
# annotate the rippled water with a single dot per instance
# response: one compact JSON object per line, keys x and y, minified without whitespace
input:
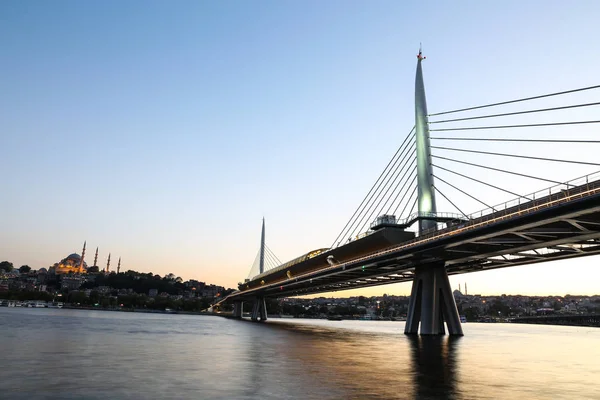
{"x":72,"y":354}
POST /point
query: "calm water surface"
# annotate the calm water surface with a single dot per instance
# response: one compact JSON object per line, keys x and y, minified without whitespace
{"x":72,"y":354}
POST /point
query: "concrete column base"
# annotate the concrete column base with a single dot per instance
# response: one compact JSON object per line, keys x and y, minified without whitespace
{"x":238,"y":309}
{"x":432,"y":303}
{"x":259,"y":310}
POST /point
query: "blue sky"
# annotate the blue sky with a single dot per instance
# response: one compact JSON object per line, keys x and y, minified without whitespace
{"x":164,"y":131}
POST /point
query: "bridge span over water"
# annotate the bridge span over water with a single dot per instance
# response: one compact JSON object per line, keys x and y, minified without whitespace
{"x":560,"y":222}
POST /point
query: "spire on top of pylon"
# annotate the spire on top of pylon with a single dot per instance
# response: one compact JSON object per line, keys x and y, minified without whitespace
{"x":420,"y":56}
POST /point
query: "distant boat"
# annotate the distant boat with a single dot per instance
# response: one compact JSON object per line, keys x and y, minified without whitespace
{"x":334,"y":318}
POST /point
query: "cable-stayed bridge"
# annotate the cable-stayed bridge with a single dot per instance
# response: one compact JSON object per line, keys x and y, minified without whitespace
{"x":397,"y":233}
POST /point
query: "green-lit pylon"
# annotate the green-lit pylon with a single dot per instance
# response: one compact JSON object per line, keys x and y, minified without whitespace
{"x":424,"y":173}
{"x":431,"y":300}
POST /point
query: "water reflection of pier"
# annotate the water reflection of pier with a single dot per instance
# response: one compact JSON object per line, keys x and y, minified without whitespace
{"x":357,"y":364}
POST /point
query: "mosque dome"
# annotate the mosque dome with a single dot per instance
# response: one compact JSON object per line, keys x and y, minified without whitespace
{"x":71,"y":263}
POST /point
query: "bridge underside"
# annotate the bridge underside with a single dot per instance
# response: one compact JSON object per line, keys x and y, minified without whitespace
{"x":566,"y":230}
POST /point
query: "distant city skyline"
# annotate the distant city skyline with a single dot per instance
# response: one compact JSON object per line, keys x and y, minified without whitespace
{"x":163,"y":133}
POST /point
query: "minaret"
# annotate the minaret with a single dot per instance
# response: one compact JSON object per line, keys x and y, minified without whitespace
{"x":82,"y":257}
{"x":424,"y":171}
{"x":96,"y":258}
{"x":119,"y":265}
{"x":108,"y":264}
{"x":262,"y":249}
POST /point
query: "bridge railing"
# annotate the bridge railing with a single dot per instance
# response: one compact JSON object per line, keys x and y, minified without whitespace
{"x":554,"y":195}
{"x":543,"y":194}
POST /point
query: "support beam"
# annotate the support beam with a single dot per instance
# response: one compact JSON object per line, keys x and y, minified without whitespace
{"x":432,"y":303}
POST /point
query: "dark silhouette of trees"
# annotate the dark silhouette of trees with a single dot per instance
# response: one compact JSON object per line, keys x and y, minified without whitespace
{"x":24,"y":269}
{"x":6,"y":266}
{"x":139,"y":282}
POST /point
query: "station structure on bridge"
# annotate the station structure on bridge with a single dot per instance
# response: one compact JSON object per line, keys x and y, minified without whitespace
{"x":557,"y":223}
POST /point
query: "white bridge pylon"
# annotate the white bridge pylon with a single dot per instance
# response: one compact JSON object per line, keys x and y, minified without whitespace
{"x":265,"y":260}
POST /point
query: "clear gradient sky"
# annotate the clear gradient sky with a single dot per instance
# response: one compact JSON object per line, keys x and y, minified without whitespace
{"x":163,"y":132}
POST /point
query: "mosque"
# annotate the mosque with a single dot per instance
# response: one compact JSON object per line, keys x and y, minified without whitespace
{"x":75,"y":264}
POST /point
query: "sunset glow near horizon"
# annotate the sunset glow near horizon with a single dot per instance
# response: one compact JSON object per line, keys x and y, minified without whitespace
{"x":163,"y":133}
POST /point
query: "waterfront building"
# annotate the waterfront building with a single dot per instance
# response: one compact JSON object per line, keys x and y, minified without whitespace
{"x":71,"y":282}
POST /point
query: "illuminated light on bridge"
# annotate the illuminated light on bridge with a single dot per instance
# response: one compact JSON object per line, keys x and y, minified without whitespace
{"x":559,"y":222}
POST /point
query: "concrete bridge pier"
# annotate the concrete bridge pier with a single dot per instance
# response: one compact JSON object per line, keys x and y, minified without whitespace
{"x":238,"y":309}
{"x":259,"y":309}
{"x":432,"y":303}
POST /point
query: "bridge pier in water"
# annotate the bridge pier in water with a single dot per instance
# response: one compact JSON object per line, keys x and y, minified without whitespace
{"x":432,"y":303}
{"x":259,"y":309}
{"x":238,"y":309}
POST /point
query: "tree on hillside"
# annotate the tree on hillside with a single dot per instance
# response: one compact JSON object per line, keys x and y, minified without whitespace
{"x":24,"y":269}
{"x":6,"y":266}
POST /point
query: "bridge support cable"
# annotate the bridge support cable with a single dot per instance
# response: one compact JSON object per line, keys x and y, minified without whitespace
{"x":432,"y":303}
{"x":501,"y":170}
{"x":465,"y":193}
{"x":516,"y":100}
{"x":375,"y":186}
{"x":277,"y":260}
{"x":515,"y":113}
{"x":368,"y":215}
{"x":413,"y":206}
{"x":517,"y":156}
{"x":376,"y":199}
{"x":270,"y":263}
{"x":472,"y":128}
{"x":483,"y":183}
{"x":404,"y":193}
{"x":402,"y":181}
{"x":400,"y":160}
{"x":450,"y":201}
{"x":520,"y":140}
{"x":406,"y":205}
{"x":385,"y":196}
{"x":254,"y":270}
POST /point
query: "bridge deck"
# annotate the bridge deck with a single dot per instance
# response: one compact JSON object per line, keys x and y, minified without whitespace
{"x":557,"y":226}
